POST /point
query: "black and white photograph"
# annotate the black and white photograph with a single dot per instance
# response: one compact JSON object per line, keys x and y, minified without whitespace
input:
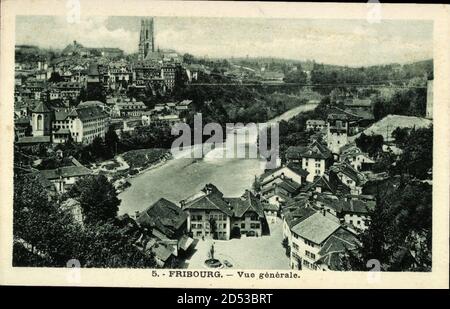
{"x":213,"y":146}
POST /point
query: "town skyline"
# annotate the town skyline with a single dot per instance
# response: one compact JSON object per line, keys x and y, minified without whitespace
{"x":302,"y":40}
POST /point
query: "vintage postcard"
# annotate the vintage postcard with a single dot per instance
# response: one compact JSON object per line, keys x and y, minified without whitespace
{"x":224,"y":144}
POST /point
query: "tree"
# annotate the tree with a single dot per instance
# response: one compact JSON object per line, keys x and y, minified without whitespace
{"x":417,"y":156}
{"x":104,"y":244}
{"x":111,"y":141}
{"x":213,"y":227}
{"x":39,"y":224}
{"x":97,"y":196}
{"x":372,"y":144}
{"x":400,"y":135}
{"x":46,"y":236}
{"x":285,"y":244}
{"x":399,"y":234}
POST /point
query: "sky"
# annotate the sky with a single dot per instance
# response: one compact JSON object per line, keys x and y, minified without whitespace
{"x":340,"y":42}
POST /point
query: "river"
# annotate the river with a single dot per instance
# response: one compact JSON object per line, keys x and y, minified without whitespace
{"x":182,"y":177}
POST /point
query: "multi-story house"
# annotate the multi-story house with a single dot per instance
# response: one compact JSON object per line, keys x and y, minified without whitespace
{"x":129,"y":108}
{"x":166,"y":222}
{"x":68,"y":90}
{"x":169,"y":72}
{"x":211,"y":215}
{"x":64,"y":177}
{"x":208,"y":214}
{"x":337,"y":132}
{"x":312,"y":239}
{"x":352,"y":211}
{"x":315,"y":159}
{"x":294,"y":214}
{"x":315,"y":125}
{"x":289,"y":170}
{"x":81,"y":124}
{"x":359,"y":160}
{"x":349,"y":177}
{"x":279,"y":190}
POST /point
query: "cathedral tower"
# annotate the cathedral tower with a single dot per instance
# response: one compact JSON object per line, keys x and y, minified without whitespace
{"x":146,"y":41}
{"x":337,"y":132}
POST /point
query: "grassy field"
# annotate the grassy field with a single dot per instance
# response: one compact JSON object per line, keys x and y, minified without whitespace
{"x":143,"y":158}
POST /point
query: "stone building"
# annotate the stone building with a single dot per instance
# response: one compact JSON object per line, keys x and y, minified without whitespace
{"x":146,"y":39}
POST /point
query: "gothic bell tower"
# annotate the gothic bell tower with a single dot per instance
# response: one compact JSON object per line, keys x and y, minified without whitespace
{"x":146,"y":40}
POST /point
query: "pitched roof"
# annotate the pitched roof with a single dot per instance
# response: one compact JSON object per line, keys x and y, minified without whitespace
{"x":297,"y":215}
{"x":289,"y":185}
{"x":324,"y":183}
{"x":297,"y":169}
{"x":270,"y":207}
{"x":336,"y":244}
{"x":347,"y":170}
{"x":247,"y":202}
{"x":317,"y":151}
{"x":161,"y":252}
{"x":316,"y":228}
{"x":90,"y":112}
{"x":209,"y":198}
{"x":294,"y":152}
{"x":65,"y":172}
{"x":41,"y":108}
{"x":163,"y":215}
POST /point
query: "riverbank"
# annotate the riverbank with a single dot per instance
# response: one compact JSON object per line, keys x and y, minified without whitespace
{"x":123,"y":167}
{"x":183,"y":176}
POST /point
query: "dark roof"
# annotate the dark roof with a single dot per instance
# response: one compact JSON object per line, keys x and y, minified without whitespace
{"x":297,"y":169}
{"x":334,"y":246}
{"x":289,"y":185}
{"x":164,"y":216}
{"x":90,"y":112}
{"x":247,"y":202}
{"x":41,"y":108}
{"x":350,"y":206}
{"x":209,"y":198}
{"x":270,"y":207}
{"x":41,"y":179}
{"x":293,"y":215}
{"x":347,"y":170}
{"x":66,"y":171}
{"x":316,"y":150}
{"x":161,"y":252}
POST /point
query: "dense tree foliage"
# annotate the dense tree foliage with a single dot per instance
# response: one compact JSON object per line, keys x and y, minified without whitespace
{"x":97,"y":196}
{"x":410,"y":102}
{"x":372,"y":144}
{"x":399,"y":235}
{"x":47,"y":236}
{"x":417,"y":156}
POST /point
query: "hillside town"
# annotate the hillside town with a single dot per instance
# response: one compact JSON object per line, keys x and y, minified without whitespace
{"x":88,"y":122}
